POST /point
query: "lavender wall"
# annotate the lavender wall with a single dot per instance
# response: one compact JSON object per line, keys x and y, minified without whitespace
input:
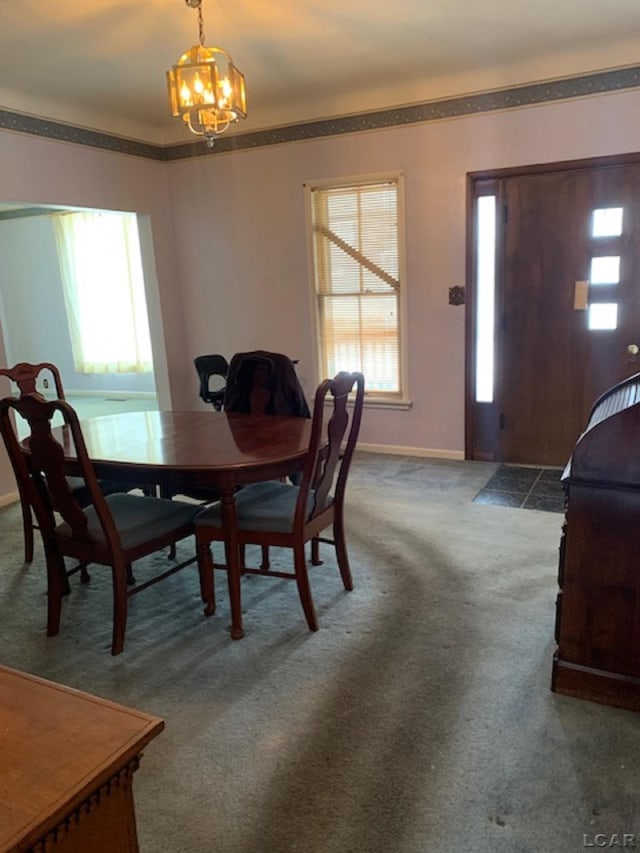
{"x":241,"y":244}
{"x":230,"y":242}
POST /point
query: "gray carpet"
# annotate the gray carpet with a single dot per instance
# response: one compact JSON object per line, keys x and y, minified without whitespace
{"x":419,"y":718}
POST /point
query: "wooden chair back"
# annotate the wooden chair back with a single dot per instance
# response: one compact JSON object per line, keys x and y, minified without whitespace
{"x":332,"y":444}
{"x":25,"y":375}
{"x":41,"y":476}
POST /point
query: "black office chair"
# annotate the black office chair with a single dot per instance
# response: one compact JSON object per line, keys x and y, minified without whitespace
{"x":208,"y":367}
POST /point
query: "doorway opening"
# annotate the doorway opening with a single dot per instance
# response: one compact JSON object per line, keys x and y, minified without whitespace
{"x":35,"y":313}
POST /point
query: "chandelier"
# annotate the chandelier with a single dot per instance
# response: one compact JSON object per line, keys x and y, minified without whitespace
{"x":206,"y":90}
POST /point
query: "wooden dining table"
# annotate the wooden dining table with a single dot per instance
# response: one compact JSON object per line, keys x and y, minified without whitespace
{"x":178,"y":451}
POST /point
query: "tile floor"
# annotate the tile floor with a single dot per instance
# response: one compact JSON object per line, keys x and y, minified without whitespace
{"x":524,"y":487}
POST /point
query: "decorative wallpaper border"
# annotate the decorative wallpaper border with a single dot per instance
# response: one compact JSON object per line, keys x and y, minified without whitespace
{"x":502,"y":99}
{"x":80,"y":135}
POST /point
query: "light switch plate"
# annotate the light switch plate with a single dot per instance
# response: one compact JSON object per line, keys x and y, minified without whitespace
{"x":581,"y":296}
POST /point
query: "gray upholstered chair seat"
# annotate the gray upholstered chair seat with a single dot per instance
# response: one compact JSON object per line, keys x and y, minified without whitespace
{"x":137,"y":519}
{"x":266,"y":506}
{"x":108,"y":487}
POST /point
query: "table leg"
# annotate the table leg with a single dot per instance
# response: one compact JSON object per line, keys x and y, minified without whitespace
{"x":232,"y":557}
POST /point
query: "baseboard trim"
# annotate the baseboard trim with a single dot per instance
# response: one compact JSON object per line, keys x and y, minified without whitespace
{"x":399,"y":450}
{"x":9,"y":498}
{"x":109,"y":393}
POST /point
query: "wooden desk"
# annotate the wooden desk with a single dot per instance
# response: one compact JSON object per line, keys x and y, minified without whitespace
{"x":179,"y":450}
{"x":66,"y":765}
{"x":598,"y":604}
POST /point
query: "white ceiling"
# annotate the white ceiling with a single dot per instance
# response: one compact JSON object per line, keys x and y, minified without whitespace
{"x":101,"y":64}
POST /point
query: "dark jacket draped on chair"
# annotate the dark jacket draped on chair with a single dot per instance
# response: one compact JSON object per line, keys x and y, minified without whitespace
{"x":275,"y":373}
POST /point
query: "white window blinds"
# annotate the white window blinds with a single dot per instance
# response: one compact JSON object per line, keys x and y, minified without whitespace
{"x":356,"y":239}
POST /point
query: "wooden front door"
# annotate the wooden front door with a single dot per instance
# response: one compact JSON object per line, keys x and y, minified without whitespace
{"x":567,"y":303}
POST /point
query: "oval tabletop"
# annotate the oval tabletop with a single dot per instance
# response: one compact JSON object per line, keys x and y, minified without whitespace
{"x":192,"y":441}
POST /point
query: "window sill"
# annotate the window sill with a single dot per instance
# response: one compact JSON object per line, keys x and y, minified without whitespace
{"x":377,"y":403}
{"x":381,"y":403}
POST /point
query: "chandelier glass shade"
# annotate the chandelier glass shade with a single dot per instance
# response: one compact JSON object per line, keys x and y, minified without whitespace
{"x":206,"y":90}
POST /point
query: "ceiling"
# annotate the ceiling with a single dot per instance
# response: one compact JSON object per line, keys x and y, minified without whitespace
{"x":102,"y":64}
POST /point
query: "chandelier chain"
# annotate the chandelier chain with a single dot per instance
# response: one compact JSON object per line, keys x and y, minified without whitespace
{"x":200,"y":24}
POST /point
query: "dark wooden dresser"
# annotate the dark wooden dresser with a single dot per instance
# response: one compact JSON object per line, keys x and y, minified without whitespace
{"x":598,"y":604}
{"x":67,"y":761}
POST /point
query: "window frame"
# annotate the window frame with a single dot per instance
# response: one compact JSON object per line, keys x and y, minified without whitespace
{"x":391,"y":400}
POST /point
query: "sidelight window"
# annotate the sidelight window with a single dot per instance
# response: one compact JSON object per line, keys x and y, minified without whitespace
{"x":485,"y":294}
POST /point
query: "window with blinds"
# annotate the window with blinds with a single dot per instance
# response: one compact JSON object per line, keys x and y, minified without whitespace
{"x":357,"y":242}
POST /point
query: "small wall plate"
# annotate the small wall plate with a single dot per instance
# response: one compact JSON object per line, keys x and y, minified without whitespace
{"x":456,"y":295}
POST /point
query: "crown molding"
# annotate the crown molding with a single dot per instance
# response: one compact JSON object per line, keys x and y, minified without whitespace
{"x":514,"y":97}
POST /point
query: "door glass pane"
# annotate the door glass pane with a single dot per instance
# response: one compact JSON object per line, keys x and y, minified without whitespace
{"x":607,"y":222}
{"x":605,"y":270}
{"x":486,"y":284}
{"x":603,"y":315}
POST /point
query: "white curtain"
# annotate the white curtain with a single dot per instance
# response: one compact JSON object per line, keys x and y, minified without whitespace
{"x":103,"y":285}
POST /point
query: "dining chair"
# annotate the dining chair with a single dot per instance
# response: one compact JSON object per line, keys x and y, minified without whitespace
{"x":113,"y":530}
{"x":29,"y":379}
{"x":210,"y":367}
{"x":263,"y":382}
{"x":280,"y":514}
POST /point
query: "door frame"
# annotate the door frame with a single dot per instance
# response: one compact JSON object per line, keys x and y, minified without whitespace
{"x":483,"y":420}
